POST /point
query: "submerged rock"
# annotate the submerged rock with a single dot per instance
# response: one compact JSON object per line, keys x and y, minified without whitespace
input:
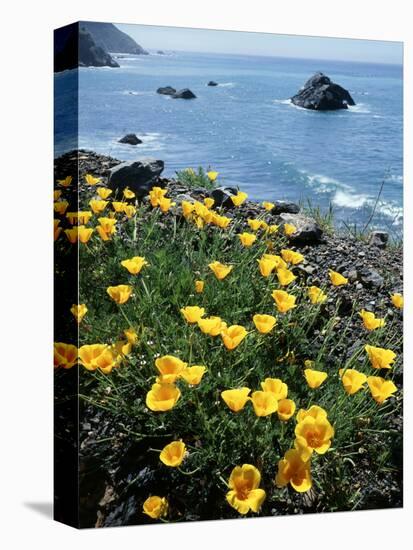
{"x":166,"y":90}
{"x":131,"y":139}
{"x":184,"y":94}
{"x":212,"y":83}
{"x":139,"y":175}
{"x":321,"y":94}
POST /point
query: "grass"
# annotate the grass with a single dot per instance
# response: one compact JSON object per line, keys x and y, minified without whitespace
{"x":217,"y":439}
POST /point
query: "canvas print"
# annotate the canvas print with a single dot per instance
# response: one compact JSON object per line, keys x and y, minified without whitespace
{"x":228,"y":233}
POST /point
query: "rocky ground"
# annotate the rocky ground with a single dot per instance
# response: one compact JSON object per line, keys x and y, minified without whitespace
{"x":375,"y":271}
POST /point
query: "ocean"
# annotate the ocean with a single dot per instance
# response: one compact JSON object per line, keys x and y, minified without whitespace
{"x":246,"y":128}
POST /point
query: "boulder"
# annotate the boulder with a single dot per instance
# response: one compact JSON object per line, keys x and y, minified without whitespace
{"x":370,"y":278}
{"x":166,"y":90}
{"x":130,"y":139}
{"x":139,"y":175}
{"x":308,"y":231}
{"x":321,"y":94}
{"x":184,"y":94}
{"x":379,"y":239}
{"x":222,"y":196}
{"x":212,"y":83}
{"x":282,"y":207}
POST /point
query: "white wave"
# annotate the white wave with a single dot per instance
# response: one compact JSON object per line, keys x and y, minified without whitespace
{"x":396,"y":178}
{"x":353,"y":200}
{"x":346,"y":199}
{"x":361,"y":108}
{"x":282,"y":101}
{"x":135,"y":92}
{"x":227,"y":84}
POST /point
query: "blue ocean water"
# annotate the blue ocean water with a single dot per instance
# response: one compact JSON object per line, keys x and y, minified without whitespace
{"x":247,"y":129}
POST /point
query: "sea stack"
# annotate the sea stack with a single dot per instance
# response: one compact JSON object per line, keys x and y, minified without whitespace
{"x":319,"y":93}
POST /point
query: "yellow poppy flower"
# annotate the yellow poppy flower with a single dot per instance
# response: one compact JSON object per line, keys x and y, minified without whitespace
{"x":264,"y":323}
{"x":128,"y":194}
{"x":106,"y":228}
{"x":275,"y":386}
{"x":316,"y":433}
{"x":170,"y":368}
{"x":289,"y":229}
{"x":199,"y":286}
{"x":64,"y":355}
{"x":264,"y":403}
{"x":192,"y":314}
{"x":131,"y":336}
{"x":268,"y":205}
{"x":291,"y":257}
{"x":193,"y":375}
{"x":314,"y":378}
{"x":380,"y":358}
{"x":220,"y":270}
{"x":316,"y":295}
{"x":220,"y":221}
{"x":278,"y":261}
{"x":92,"y":180}
{"x":72,"y":235}
{"x":120,"y":294}
{"x":162,"y":397}
{"x":266,"y":266}
{"x":254,"y":224}
{"x":79,"y":217}
{"x":84,"y":233}
{"x":173,"y":454}
{"x":294,"y":470}
{"x":236,"y":399}
{"x":232,"y":336}
{"x":65,"y":182}
{"x":201,"y":210}
{"x":98,"y":206}
{"x":209,"y":202}
{"x":118,"y":206}
{"x":244,"y":494}
{"x":286,"y":409}
{"x":129,"y":210}
{"x":56,"y":229}
{"x":211,"y":325}
{"x":156,"y":194}
{"x":283,"y":300}
{"x":103,"y":192}
{"x":380,"y":388}
{"x":370,"y":321}
{"x":285,"y":276}
{"x":397,"y":300}
{"x":352,"y":380}
{"x":314,"y":411}
{"x":165,"y":204}
{"x":212,"y":176}
{"x":57,"y":194}
{"x":272,"y":229}
{"x":239,"y":198}
{"x":155,"y":507}
{"x":60,"y":207}
{"x":187,"y":208}
{"x":247,"y":239}
{"x":97,"y":356}
{"x":134,"y":265}
{"x":336,"y":278}
{"x":78,"y":311}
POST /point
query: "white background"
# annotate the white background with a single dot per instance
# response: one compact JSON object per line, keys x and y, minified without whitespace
{"x":26,"y":270}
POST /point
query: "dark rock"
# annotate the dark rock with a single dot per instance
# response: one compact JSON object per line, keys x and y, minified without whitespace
{"x":212,"y":83}
{"x":308,"y":232}
{"x":371,"y":278}
{"x":131,"y":139}
{"x":184,"y":94}
{"x":160,"y":52}
{"x":285,"y":207}
{"x":75,"y":47}
{"x":222,"y":196}
{"x":321,"y":94}
{"x":379,"y":239}
{"x":139,"y":175}
{"x":166,"y":90}
{"x":110,"y":38}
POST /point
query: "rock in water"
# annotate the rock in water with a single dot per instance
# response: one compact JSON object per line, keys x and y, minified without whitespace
{"x":139,"y":175}
{"x":320,"y":94}
{"x":212,"y":83}
{"x":166,"y":90}
{"x":130,"y":139}
{"x":184,"y":94}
